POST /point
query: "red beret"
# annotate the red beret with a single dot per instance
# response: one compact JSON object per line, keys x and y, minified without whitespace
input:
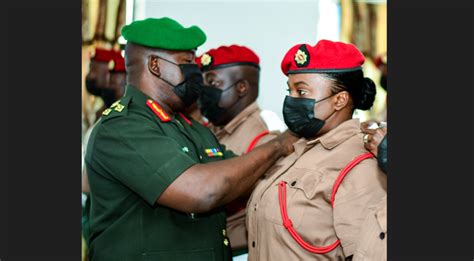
{"x":225,"y":56}
{"x":103,"y":55}
{"x":119,"y":62}
{"x":380,"y":60}
{"x":325,"y":56}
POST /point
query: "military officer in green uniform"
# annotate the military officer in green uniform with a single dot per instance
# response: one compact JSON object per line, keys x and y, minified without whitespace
{"x":158,"y":179}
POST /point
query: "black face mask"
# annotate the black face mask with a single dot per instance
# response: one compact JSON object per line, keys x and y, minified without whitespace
{"x":209,"y":102}
{"x":298,"y":114}
{"x":92,"y":88}
{"x":108,"y":96}
{"x":189,"y":89}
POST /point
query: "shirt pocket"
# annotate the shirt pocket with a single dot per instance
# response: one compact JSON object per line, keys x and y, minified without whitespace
{"x":301,"y":186}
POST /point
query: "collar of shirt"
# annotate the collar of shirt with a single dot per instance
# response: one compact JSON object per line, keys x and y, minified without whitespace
{"x":241,"y":117}
{"x":139,"y":98}
{"x":338,"y":135}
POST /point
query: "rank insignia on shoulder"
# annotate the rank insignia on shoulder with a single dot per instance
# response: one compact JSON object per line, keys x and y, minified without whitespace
{"x":214,"y":152}
{"x":119,"y":107}
{"x":156,"y":108}
{"x":106,"y":112}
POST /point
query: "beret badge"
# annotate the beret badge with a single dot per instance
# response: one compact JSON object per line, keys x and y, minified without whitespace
{"x":111,"y":64}
{"x":302,"y":56}
{"x":206,"y":59}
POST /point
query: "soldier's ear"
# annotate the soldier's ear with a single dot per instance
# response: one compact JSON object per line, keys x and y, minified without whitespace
{"x":153,"y":65}
{"x":242,"y":87}
{"x":341,"y":100}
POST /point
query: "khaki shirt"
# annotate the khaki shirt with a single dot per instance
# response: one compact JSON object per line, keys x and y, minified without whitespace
{"x":372,"y":243}
{"x":242,"y":129}
{"x":310,"y":173}
{"x":237,"y":136}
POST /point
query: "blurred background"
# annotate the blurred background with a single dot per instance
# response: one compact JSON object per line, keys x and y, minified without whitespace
{"x":268,"y":27}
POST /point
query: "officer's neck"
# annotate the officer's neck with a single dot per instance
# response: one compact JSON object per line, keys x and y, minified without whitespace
{"x":154,"y":91}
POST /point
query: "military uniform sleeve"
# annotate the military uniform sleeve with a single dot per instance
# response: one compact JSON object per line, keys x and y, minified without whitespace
{"x":143,"y":159}
{"x":364,"y":185}
{"x":372,"y":242}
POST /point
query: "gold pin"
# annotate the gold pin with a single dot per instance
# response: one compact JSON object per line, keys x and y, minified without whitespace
{"x":119,"y":107}
{"x":206,"y":59}
{"x":111,"y":65}
{"x":106,"y":112}
{"x":301,"y":57}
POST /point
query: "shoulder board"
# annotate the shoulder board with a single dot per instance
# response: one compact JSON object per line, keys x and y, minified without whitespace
{"x":118,"y":108}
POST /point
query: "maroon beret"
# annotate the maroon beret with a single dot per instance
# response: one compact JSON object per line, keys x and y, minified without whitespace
{"x":326,"y":56}
{"x":119,"y":62}
{"x":225,"y":56}
{"x":103,"y":55}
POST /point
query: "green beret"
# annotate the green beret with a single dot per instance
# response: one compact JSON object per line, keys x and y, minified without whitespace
{"x":164,"y":33}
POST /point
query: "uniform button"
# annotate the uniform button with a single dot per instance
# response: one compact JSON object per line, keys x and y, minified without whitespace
{"x":226,"y":242}
{"x":253,"y":243}
{"x":223,"y":232}
{"x":200,"y":157}
{"x":255,"y":207}
{"x":382,"y":235}
{"x":293,"y":183}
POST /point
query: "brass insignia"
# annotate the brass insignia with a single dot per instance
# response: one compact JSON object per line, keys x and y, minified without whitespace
{"x":119,"y":107}
{"x":106,"y":112}
{"x":111,"y":65}
{"x":226,"y":242}
{"x":301,"y":57}
{"x":206,"y":59}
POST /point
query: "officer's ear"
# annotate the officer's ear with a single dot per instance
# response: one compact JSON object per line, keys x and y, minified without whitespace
{"x":242,"y":87}
{"x":341,"y":100}
{"x":153,"y":65}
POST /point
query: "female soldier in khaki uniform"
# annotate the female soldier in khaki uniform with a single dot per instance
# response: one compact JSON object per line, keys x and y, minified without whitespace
{"x":294,"y":212}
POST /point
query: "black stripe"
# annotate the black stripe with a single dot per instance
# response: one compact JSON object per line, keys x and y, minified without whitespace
{"x":324,"y":70}
{"x":205,"y":69}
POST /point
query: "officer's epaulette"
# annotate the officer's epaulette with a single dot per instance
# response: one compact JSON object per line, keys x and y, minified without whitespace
{"x":118,"y":108}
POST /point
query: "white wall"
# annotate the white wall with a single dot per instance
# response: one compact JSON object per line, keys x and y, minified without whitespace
{"x":269,"y":28}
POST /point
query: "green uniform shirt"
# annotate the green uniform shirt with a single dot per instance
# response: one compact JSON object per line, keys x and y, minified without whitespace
{"x":131,"y":158}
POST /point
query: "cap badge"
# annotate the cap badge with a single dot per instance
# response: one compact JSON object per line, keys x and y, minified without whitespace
{"x":301,"y":57}
{"x":206,"y":59}
{"x":111,"y":65}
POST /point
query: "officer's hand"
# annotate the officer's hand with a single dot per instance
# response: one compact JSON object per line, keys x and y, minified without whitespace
{"x":286,"y":140}
{"x":373,"y":137}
